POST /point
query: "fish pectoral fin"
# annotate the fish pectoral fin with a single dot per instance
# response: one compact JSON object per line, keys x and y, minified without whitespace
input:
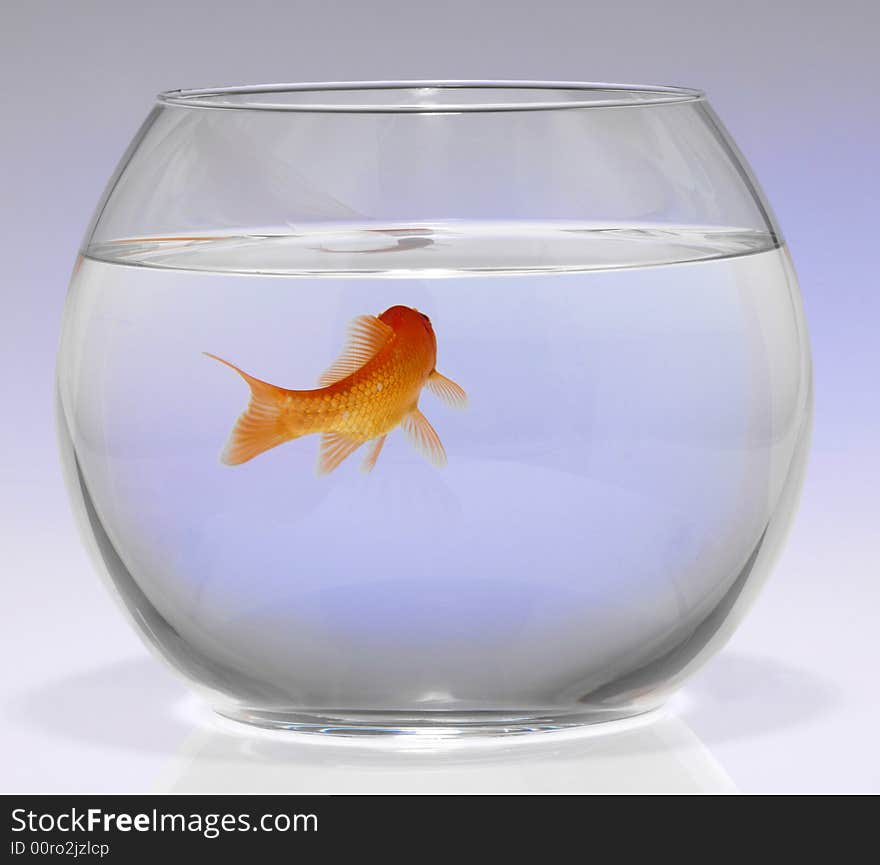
{"x":335,"y":447}
{"x":366,"y":337}
{"x":372,"y":454}
{"x":424,"y":438}
{"x":447,"y":390}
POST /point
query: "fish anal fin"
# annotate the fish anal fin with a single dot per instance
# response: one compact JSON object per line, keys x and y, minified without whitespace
{"x":335,"y":447}
{"x":366,"y":337}
{"x":375,"y":449}
{"x":424,"y":438}
{"x":447,"y":390}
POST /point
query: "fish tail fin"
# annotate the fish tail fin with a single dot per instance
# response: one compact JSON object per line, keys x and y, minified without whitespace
{"x":261,"y":425}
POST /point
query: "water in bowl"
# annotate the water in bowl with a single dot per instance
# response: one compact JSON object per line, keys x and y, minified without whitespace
{"x":636,"y":397}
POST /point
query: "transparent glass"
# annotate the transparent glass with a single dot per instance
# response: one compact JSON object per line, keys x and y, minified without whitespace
{"x":462,"y":407}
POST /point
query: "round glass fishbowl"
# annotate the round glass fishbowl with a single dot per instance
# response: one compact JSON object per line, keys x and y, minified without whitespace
{"x":464,"y":407}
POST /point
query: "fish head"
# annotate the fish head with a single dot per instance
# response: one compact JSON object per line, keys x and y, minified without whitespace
{"x":415,"y":329}
{"x":406,"y":318}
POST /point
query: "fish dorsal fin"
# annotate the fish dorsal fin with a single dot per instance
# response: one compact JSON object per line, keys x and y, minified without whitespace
{"x":445,"y":388}
{"x":366,"y":337}
{"x":424,"y":438}
{"x":335,"y":447}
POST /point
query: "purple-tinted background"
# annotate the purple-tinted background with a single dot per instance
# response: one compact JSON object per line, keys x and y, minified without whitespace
{"x":796,"y":84}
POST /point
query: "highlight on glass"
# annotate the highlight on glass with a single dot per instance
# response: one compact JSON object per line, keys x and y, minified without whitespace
{"x":445,"y":407}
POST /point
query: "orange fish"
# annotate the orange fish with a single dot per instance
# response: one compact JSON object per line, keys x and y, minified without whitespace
{"x":373,"y":387}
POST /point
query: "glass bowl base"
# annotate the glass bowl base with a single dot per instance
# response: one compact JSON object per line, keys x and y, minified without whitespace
{"x":441,"y":725}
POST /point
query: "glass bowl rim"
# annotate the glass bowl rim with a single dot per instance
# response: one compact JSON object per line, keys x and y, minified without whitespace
{"x":617,"y":96}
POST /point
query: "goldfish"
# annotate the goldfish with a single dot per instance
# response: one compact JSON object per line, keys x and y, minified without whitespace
{"x":372,"y":388}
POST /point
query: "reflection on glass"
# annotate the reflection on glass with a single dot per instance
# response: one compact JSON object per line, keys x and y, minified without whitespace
{"x":655,"y":754}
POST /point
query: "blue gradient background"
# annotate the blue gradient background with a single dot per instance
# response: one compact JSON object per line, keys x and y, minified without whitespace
{"x":795,"y":82}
